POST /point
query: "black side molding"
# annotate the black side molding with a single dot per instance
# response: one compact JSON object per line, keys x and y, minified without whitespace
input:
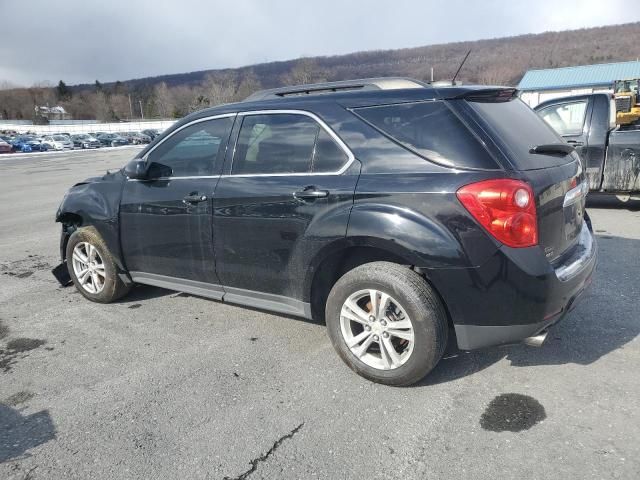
{"x":552,"y":149}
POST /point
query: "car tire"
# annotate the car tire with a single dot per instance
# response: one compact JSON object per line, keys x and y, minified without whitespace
{"x":411,"y":298}
{"x":107,"y":285}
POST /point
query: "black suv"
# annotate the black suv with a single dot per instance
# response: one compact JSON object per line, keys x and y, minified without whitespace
{"x":398,"y":212}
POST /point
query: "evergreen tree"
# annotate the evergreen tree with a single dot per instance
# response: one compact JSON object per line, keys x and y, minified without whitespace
{"x":62,"y":91}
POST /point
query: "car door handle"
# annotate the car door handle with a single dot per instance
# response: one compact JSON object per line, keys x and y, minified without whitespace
{"x":576,"y":143}
{"x":310,"y":193}
{"x":194,"y":198}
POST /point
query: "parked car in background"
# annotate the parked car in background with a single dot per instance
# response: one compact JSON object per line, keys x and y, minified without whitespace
{"x":84,"y":140}
{"x":58,"y":142}
{"x":112,"y":140}
{"x":151,"y":133}
{"x":611,"y":153}
{"x":28,"y":143}
{"x":396,"y":212}
{"x":140,"y":138}
{"x":5,"y":147}
{"x":135,"y":138}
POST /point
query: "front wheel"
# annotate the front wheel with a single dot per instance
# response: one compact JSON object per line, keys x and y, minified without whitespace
{"x":386,"y":323}
{"x":92,"y":267}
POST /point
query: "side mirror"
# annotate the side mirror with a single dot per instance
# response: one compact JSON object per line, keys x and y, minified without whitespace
{"x":136,"y":169}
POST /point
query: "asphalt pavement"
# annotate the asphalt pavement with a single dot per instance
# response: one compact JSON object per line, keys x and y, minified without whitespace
{"x":166,"y":385}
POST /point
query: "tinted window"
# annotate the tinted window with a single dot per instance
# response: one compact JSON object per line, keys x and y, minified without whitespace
{"x":431,"y":130}
{"x":518,"y":128}
{"x":194,"y":150}
{"x":275,"y":143}
{"x":328,"y":156}
{"x":565,"y":118}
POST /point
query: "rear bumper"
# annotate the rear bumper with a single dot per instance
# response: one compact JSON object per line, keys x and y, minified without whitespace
{"x":516,"y":294}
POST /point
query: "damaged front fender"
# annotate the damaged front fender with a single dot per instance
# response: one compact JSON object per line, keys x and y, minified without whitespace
{"x":94,"y":202}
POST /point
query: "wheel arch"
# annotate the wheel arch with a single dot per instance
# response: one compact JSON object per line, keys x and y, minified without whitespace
{"x":342,"y":256}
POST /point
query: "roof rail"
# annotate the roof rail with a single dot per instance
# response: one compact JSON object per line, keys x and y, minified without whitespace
{"x":382,"y":83}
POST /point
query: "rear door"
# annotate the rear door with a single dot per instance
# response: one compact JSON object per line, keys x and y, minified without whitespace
{"x":287,"y":191}
{"x":557,"y":178}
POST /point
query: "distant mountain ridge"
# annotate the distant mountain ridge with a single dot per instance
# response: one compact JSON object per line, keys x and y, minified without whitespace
{"x":498,"y":60}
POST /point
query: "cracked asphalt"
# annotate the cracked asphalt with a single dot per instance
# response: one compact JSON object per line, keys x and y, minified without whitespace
{"x":163,"y":385}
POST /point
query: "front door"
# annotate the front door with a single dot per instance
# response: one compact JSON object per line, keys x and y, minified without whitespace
{"x":288,"y":191}
{"x":166,"y":220}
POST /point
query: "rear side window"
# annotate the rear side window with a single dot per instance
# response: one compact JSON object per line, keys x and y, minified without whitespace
{"x":431,"y":130}
{"x":565,"y":118}
{"x":518,"y":128}
{"x":281,"y":143}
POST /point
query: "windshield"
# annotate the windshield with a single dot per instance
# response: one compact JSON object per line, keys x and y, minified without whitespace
{"x":60,"y":138}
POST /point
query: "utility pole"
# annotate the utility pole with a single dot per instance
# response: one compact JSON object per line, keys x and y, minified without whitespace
{"x":141,"y":112}
{"x":130,"y":109}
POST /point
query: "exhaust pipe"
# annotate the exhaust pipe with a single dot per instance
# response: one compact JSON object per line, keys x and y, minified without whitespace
{"x":536,"y":340}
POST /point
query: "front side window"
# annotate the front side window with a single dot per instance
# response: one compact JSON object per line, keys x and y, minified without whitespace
{"x":194,"y":150}
{"x":565,"y":118}
{"x":284,"y":143}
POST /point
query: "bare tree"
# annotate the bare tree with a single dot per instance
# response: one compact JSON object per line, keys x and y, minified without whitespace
{"x":248,"y":85}
{"x":218,"y":90}
{"x":306,"y":70}
{"x":102,"y":107}
{"x":165,"y":104}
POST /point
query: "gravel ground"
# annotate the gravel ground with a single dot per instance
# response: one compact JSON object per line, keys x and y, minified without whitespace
{"x":165,"y":385}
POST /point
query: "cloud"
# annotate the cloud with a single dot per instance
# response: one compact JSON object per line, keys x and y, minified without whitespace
{"x":80,"y":41}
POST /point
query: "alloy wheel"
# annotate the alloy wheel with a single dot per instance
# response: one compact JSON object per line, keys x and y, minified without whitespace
{"x":377,"y":329}
{"x":88,"y":267}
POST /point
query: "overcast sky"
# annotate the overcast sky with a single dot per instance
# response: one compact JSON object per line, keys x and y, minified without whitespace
{"x":80,"y":41}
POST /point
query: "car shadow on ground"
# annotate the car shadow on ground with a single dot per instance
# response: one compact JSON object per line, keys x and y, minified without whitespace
{"x":145,"y":292}
{"x":20,"y":433}
{"x":605,"y":320}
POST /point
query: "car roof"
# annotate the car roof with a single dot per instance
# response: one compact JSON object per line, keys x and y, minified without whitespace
{"x":348,"y":98}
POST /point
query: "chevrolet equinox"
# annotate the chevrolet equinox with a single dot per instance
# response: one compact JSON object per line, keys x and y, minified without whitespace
{"x":397,"y":212}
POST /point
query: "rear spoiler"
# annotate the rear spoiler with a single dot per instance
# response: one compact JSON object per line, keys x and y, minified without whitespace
{"x":490,"y":95}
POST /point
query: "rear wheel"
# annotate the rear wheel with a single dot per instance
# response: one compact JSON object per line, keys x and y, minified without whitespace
{"x":92,"y":267}
{"x":386,"y":323}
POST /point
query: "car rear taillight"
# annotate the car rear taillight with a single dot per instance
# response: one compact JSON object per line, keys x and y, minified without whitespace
{"x":505,"y":208}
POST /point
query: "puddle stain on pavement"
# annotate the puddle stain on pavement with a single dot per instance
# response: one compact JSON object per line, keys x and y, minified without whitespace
{"x":512,"y":412}
{"x":17,"y":348}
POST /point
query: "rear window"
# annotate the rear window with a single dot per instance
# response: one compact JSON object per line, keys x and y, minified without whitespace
{"x":431,"y":130}
{"x":518,"y":128}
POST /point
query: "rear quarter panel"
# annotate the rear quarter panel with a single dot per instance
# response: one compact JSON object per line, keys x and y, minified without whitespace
{"x":420,"y":215}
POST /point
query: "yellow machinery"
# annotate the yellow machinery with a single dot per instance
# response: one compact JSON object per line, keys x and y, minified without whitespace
{"x":627,"y":101}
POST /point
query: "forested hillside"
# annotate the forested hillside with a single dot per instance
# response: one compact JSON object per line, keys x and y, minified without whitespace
{"x":495,"y":61}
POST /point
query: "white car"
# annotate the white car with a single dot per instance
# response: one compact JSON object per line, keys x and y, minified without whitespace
{"x":58,"y":142}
